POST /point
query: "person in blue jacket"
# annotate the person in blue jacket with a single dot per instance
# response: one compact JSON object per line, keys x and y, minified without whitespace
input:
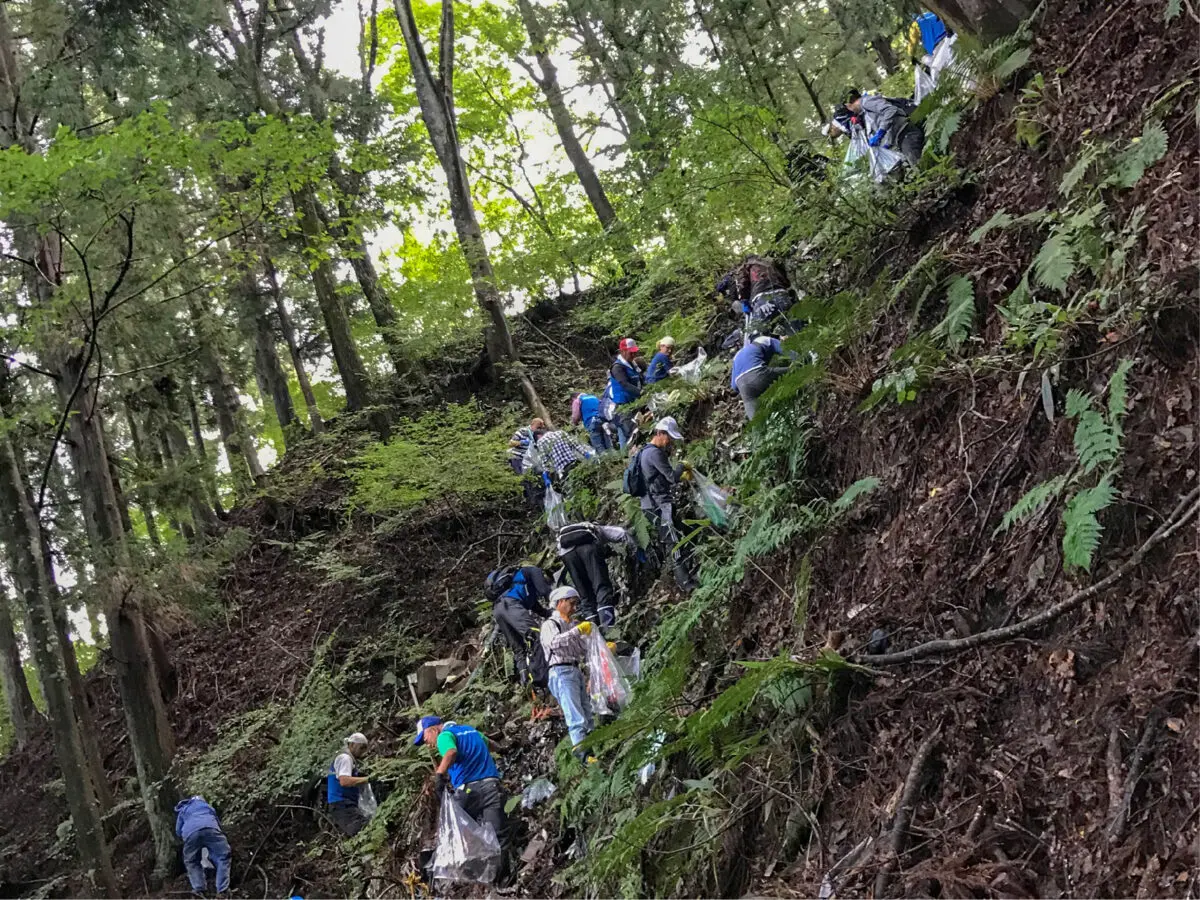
{"x":467,"y":766}
{"x":343,"y":783}
{"x":585,"y":411}
{"x":625,"y":381}
{"x":752,"y":372}
{"x":660,"y":362}
{"x":197,"y":825}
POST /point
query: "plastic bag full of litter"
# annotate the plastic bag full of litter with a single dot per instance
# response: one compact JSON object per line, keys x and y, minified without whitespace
{"x":466,"y":850}
{"x":690,"y":372}
{"x":607,"y":684}
{"x":713,"y":499}
{"x":556,"y":510}
{"x":367,"y":804}
{"x":536,"y":791}
{"x":858,"y":146}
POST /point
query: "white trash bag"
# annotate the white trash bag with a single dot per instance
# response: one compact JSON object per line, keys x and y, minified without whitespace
{"x":466,"y":850}
{"x":367,"y":805}
{"x":556,"y":510}
{"x":690,"y":372}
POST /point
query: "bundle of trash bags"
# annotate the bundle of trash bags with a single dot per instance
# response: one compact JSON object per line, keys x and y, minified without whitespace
{"x":608,"y":686}
{"x":466,"y":850}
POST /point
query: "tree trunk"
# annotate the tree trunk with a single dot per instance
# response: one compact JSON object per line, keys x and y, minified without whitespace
{"x":21,"y":711}
{"x":563,"y":123}
{"x":143,"y":494}
{"x":337,"y":323}
{"x":436,"y":97}
{"x":289,"y":337}
{"x":268,"y":373}
{"x":210,"y":476}
{"x":986,"y":19}
{"x":23,"y":533}
{"x":887,"y":56}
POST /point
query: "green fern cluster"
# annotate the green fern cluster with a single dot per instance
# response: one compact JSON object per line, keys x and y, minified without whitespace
{"x":1097,"y":444}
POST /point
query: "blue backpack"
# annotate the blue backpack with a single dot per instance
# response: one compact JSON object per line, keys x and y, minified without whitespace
{"x":634,"y":480}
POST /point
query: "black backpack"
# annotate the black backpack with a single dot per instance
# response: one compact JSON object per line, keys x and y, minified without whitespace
{"x":577,"y":535}
{"x":634,"y":480}
{"x":498,"y":582}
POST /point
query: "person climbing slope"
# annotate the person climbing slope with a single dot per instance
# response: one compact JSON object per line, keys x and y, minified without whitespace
{"x":564,"y":642}
{"x":658,"y":479}
{"x":519,"y":444}
{"x":467,"y":766}
{"x":581,"y":547}
{"x":887,"y":121}
{"x":752,"y":373}
{"x":343,"y":784}
{"x":661,"y":361}
{"x":197,"y":825}
{"x":585,"y":411}
{"x":625,"y":381}
{"x":556,"y":451}
{"x":516,"y":595}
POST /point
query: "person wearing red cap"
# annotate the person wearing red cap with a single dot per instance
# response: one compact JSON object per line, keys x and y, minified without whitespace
{"x":625,"y":380}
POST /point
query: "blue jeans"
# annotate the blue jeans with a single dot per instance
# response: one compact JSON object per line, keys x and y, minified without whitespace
{"x":597,"y":436}
{"x":624,"y":425}
{"x":218,"y":852}
{"x":569,"y":689}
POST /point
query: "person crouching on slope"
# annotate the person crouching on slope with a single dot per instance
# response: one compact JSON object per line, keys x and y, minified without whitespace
{"x":566,"y":649}
{"x":343,"y":784}
{"x":661,"y":362}
{"x":197,"y":825}
{"x":625,"y":381}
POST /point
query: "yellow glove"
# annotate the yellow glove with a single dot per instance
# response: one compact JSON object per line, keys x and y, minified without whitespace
{"x":687,"y":473}
{"x":612,"y":645}
{"x":585,"y":628}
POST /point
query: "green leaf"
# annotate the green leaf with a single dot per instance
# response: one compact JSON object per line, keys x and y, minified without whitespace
{"x":1033,"y":501}
{"x":1055,"y":263}
{"x":1082,"y":534}
{"x":1096,"y":442}
{"x":1075,"y":174}
{"x":1118,"y":393}
{"x":1144,"y":151}
{"x":852,"y":493}
{"x":1173,"y":9}
{"x":1015,"y":61}
{"x":960,"y":312}
{"x":1078,"y":403}
{"x":1000,"y":219}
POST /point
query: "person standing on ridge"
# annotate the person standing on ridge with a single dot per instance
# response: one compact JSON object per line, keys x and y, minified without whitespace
{"x":197,"y":825}
{"x":566,"y":649}
{"x":660,"y":362}
{"x":752,"y":374}
{"x":625,"y":381}
{"x":658,"y":502}
{"x":343,"y":783}
{"x":516,"y":595}
{"x":467,"y":766}
{"x":585,"y":411}
{"x":581,"y":547}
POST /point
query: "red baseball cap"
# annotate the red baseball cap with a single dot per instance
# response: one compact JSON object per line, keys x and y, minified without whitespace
{"x":627,"y":345}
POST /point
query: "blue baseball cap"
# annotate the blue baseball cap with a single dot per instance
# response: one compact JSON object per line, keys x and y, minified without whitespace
{"x":426,"y":721}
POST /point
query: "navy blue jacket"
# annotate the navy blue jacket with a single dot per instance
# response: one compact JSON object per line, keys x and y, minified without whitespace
{"x":659,"y":368}
{"x":192,"y":815}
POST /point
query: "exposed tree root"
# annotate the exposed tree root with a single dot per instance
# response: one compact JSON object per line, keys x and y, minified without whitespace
{"x":904,"y":811}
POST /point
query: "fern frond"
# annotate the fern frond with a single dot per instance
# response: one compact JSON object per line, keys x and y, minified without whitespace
{"x":1000,"y":219}
{"x":1118,"y":393}
{"x":1142,"y":153}
{"x":1096,"y":441}
{"x":960,"y":312}
{"x":1013,"y":63}
{"x":852,"y":493}
{"x":1077,"y":403}
{"x":1074,"y":175}
{"x":1055,"y":263}
{"x":1083,"y":528}
{"x":1033,"y":501}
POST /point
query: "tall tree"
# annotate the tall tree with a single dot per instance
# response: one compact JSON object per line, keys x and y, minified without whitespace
{"x":436,"y":97}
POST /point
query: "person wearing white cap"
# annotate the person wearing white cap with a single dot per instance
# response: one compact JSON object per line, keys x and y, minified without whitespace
{"x":660,"y":362}
{"x":565,"y":644}
{"x":659,"y":501}
{"x":343,"y":784}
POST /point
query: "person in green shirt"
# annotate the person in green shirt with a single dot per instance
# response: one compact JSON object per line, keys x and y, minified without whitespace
{"x":468,"y":767}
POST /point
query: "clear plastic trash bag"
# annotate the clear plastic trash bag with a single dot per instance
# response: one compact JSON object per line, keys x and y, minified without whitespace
{"x":631,"y":665}
{"x":858,"y":147}
{"x":713,"y":499}
{"x":556,"y":510}
{"x":883,"y":160}
{"x":466,"y":850}
{"x":536,"y":791}
{"x":690,"y":372}
{"x":923,"y":83}
{"x":367,"y":804}
{"x":607,"y":685}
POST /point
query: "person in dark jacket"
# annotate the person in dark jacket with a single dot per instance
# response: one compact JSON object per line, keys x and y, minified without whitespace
{"x":467,"y":766}
{"x":752,"y":373}
{"x":887,"y":118}
{"x":344,"y":782}
{"x":625,"y":381}
{"x":660,"y":362}
{"x":581,"y":547}
{"x":659,"y":501}
{"x":517,"y":596}
{"x":197,"y":825}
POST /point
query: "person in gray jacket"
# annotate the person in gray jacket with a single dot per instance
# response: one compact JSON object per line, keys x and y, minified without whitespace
{"x":659,"y":501}
{"x":888,"y":118}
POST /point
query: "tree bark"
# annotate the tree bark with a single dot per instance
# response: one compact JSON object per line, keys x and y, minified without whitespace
{"x":563,"y":123}
{"x":268,"y":373}
{"x":209,"y":472}
{"x":21,"y":712}
{"x":289,"y":337}
{"x":436,"y":96}
{"x":887,"y":56}
{"x":145,"y":504}
{"x":986,"y":19}
{"x":23,"y":532}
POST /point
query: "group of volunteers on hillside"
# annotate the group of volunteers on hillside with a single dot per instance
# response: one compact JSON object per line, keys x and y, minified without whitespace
{"x":547,"y":623}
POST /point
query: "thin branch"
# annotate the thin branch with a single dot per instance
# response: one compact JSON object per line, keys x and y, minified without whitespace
{"x":157,"y":365}
{"x":25,"y":365}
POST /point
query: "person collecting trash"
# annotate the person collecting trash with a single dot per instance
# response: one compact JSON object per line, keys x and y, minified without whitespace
{"x":752,"y":373}
{"x":585,"y":411}
{"x":652,"y":479}
{"x":581,"y":547}
{"x":625,"y":381}
{"x":888,"y":124}
{"x":516,"y":595}
{"x":197,"y":825}
{"x":468,"y":768}
{"x":344,"y":786}
{"x":556,"y":451}
{"x":661,"y":362}
{"x":564,"y":641}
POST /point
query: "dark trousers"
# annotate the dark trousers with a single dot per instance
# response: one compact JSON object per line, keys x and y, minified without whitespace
{"x":589,"y":574}
{"x":347,"y":817}
{"x":623,"y":422}
{"x":213,"y":840}
{"x":597,"y":436}
{"x":662,"y":514}
{"x":910,"y":143}
{"x":520,"y":629}
{"x":484,"y":802}
{"x":754,"y":384}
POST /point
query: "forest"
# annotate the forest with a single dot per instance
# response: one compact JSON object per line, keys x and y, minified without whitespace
{"x":283,"y":277}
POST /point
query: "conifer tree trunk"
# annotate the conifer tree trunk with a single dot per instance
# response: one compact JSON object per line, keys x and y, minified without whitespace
{"x":268,"y":373}
{"x":143,"y":494}
{"x":24,"y":543}
{"x":289,"y":337}
{"x":213,"y":495}
{"x":21,"y":712}
{"x":436,"y":96}
{"x":563,"y":123}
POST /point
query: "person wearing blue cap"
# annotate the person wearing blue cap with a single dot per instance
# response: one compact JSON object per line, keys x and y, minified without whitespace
{"x":468,"y":767}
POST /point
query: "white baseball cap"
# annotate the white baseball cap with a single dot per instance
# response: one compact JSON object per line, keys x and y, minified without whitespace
{"x":357,"y":738}
{"x":668,"y":341}
{"x":670,"y":426}
{"x":565,"y":592}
